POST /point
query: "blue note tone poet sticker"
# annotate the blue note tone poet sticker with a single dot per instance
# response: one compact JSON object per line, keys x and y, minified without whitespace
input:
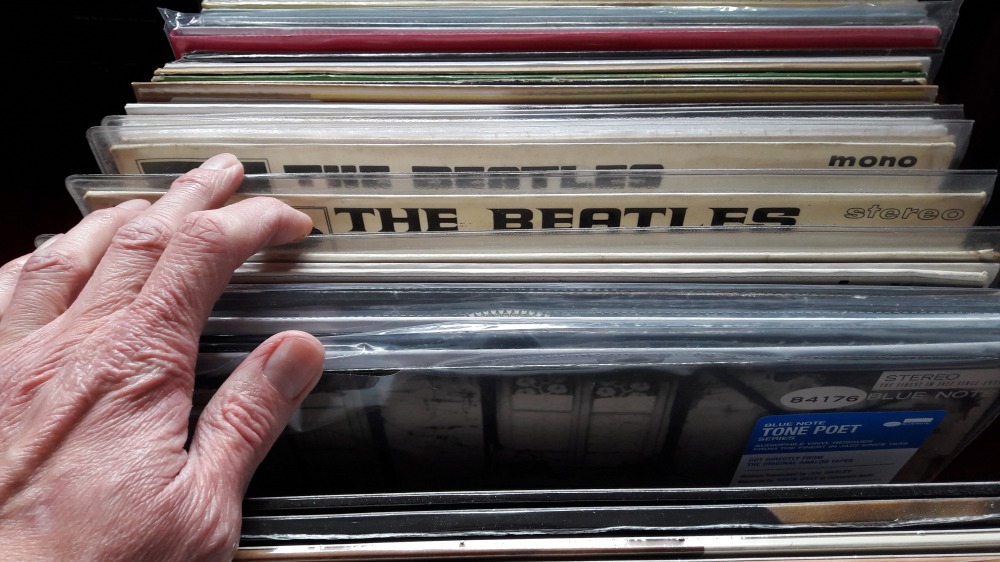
{"x":833,"y":448}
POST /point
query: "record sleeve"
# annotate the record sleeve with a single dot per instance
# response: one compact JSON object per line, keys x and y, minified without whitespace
{"x":645,"y":65}
{"x":633,"y":141}
{"x":276,"y":4}
{"x":903,"y":546}
{"x":925,"y":61}
{"x":689,"y":245}
{"x":944,"y":274}
{"x":560,"y":28}
{"x":317,"y":40}
{"x":588,"y":93}
{"x":887,"y":79}
{"x":915,"y":522}
{"x":266,"y":110}
{"x":343,"y":212}
{"x":592,"y":200}
{"x":542,"y":14}
{"x":554,"y":386}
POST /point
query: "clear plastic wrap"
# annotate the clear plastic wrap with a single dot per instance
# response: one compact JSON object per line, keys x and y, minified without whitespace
{"x":542,"y":27}
{"x":391,"y":65}
{"x":542,"y":14}
{"x":869,"y":523}
{"x":693,"y":245}
{"x":137,"y":113}
{"x":940,"y":274}
{"x":395,"y":144}
{"x":443,"y":201}
{"x":493,"y":386}
{"x":816,"y":63}
{"x":586,"y":91}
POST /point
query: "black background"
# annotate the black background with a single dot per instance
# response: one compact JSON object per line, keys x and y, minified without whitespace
{"x":74,"y":64}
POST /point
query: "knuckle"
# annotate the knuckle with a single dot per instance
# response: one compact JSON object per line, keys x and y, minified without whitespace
{"x":144,"y":233}
{"x":250,"y":421}
{"x":196,"y":180}
{"x":106,"y":216}
{"x":265,"y":209}
{"x":53,"y":260}
{"x":271,"y":204}
{"x":204,"y":230}
{"x":271,"y":213}
{"x":128,"y":364}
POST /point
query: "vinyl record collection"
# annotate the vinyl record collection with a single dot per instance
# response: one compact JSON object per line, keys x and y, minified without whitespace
{"x":581,"y":245}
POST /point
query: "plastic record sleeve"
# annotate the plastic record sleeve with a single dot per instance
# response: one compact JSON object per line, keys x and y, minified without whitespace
{"x":792,"y":385}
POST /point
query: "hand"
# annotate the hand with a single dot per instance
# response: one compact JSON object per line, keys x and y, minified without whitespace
{"x":99,"y":333}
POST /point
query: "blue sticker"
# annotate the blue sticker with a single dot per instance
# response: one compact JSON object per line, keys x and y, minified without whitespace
{"x":841,"y":448}
{"x":842,"y":431}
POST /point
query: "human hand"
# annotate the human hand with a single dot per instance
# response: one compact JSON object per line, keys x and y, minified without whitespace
{"x":99,"y":335}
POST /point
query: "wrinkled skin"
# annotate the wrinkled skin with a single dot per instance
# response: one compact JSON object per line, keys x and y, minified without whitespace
{"x":98,"y":340}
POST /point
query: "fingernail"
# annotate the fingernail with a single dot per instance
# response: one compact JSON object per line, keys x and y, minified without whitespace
{"x":134,"y":204}
{"x":220,"y":162}
{"x":293,"y":367}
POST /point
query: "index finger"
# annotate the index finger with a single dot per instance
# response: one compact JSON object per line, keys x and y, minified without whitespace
{"x":201,"y":258}
{"x":137,"y":246}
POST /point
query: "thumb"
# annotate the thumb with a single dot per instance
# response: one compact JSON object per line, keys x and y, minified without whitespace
{"x":248,"y":412}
